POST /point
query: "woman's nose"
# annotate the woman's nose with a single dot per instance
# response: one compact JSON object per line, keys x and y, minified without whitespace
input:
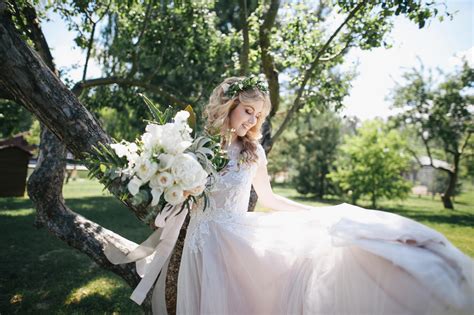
{"x":252,"y":120}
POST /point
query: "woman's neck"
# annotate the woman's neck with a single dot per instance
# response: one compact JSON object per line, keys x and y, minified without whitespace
{"x":235,"y":143}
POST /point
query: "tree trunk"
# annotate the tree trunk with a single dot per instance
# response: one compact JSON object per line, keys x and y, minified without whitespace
{"x":244,"y":53}
{"x":453,"y":178}
{"x":26,"y":79}
{"x":45,"y":190}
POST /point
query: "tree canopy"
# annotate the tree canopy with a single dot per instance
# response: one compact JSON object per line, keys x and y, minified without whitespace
{"x":441,"y":115}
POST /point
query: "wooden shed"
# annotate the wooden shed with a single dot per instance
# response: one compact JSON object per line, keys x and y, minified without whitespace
{"x":14,"y":156}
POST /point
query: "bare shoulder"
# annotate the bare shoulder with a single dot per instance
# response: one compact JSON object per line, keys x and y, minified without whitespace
{"x":262,"y":157}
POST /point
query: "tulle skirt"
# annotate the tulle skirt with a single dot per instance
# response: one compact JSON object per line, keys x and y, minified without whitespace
{"x":330,"y":260}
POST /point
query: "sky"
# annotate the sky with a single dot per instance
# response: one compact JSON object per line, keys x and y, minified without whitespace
{"x":436,"y":45}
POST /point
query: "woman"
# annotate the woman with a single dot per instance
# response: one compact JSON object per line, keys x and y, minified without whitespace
{"x":303,"y":260}
{"x":330,"y":260}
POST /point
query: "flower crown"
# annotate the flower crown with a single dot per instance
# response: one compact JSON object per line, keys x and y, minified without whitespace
{"x":248,"y":83}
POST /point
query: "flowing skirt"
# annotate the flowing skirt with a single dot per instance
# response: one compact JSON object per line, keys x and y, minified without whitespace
{"x":330,"y":260}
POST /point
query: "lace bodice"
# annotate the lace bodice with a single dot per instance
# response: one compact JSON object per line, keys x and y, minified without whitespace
{"x":228,"y":198}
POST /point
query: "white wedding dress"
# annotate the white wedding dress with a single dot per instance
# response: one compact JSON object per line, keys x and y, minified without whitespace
{"x":331,"y":260}
{"x":328,"y":260}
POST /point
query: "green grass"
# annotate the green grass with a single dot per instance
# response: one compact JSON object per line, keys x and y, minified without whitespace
{"x":41,"y":274}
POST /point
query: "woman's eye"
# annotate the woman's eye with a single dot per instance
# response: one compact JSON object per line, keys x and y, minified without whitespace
{"x":248,"y":112}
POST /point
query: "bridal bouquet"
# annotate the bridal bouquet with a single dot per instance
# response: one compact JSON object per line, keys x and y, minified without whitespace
{"x":165,"y":166}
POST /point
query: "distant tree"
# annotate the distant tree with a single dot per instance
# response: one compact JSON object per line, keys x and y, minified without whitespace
{"x":314,"y":152}
{"x":440,"y":180}
{"x":442,"y":117}
{"x":371,"y":164}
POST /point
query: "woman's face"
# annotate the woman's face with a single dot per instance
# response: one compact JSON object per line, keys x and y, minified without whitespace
{"x":244,"y":117}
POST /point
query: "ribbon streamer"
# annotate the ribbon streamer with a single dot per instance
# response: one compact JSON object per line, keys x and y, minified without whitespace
{"x":152,"y":257}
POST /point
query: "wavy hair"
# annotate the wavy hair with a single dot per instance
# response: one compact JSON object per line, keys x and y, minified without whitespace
{"x":220,"y":107}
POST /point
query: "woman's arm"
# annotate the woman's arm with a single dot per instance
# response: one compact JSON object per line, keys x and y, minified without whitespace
{"x":268,"y":199}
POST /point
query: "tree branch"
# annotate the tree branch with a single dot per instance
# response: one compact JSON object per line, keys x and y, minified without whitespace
{"x":136,"y":51}
{"x":37,"y":37}
{"x":89,"y":49}
{"x":91,"y":39}
{"x":297,"y":102}
{"x":334,"y":56}
{"x":466,"y":142}
{"x":244,"y":53}
{"x":79,"y":87}
{"x":268,"y":63}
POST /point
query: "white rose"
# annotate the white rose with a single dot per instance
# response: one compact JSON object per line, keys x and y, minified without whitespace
{"x":156,"y":194}
{"x":174,"y":195}
{"x":163,"y":180}
{"x":134,"y":185}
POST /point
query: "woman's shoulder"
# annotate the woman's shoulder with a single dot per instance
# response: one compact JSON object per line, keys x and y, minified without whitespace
{"x":262,"y":156}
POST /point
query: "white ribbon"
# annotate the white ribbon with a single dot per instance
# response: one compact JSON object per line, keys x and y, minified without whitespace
{"x":157,"y":246}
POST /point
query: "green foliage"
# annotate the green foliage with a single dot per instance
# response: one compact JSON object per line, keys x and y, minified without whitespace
{"x":250,"y":82}
{"x":439,"y":114}
{"x":314,"y":152}
{"x":34,"y":134}
{"x":13,"y":119}
{"x":442,"y":116}
{"x":371,"y":164}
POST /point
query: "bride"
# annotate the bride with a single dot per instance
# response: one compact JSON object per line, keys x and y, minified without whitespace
{"x":298,"y":259}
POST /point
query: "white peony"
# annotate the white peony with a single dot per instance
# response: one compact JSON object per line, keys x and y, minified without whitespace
{"x":163,"y":180}
{"x":187,"y":171}
{"x":156,"y":194}
{"x":134,"y":185}
{"x":174,"y":195}
{"x":166,"y":160}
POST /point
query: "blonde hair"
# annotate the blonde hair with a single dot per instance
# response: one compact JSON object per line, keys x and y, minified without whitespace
{"x":220,"y":107}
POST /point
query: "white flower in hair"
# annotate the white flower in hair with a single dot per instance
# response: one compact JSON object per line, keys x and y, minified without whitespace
{"x":225,"y":87}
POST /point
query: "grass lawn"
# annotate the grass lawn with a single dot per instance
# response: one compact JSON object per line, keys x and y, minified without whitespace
{"x":42,"y":275}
